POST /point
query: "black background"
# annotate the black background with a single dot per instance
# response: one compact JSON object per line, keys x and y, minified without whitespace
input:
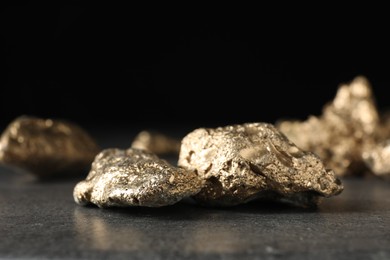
{"x":126,"y":65}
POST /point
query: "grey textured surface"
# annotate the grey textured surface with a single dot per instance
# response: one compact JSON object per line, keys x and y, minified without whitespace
{"x":41,"y":220}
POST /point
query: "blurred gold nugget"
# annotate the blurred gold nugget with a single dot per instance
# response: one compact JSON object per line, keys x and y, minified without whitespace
{"x":377,"y":159}
{"x":383,"y":132}
{"x":240,"y":163}
{"x":348,"y":126}
{"x":47,"y":148}
{"x":156,"y":143}
{"x":122,"y":178}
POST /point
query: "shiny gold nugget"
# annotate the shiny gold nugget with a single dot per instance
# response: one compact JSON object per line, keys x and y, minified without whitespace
{"x":47,"y":148}
{"x":244,"y":162}
{"x":156,"y":143}
{"x":135,"y":178}
{"x":346,"y":128}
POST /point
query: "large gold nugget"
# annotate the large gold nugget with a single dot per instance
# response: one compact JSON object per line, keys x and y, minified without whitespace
{"x":377,"y":159}
{"x":156,"y":143}
{"x":47,"y":148}
{"x":346,"y":128}
{"x":134,"y":177}
{"x":383,"y":132}
{"x":249,"y":161}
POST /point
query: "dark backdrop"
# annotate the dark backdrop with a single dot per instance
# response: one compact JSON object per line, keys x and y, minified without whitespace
{"x":137,"y":66}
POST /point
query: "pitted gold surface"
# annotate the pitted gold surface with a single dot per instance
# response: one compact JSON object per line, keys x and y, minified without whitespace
{"x":47,"y":148}
{"x":244,"y":162}
{"x":135,"y":178}
{"x":348,"y":126}
{"x":156,"y":143}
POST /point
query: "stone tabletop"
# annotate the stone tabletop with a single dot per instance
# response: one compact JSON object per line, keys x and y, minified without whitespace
{"x":41,"y":220}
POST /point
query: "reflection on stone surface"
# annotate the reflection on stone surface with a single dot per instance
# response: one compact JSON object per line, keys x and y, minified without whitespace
{"x":156,"y":143}
{"x":348,"y":126}
{"x":135,"y":178}
{"x":47,"y":148}
{"x":150,"y":230}
{"x":221,"y":238}
{"x":97,"y":233}
{"x":244,"y":162}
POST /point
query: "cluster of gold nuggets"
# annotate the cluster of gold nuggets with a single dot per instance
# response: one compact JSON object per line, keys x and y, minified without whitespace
{"x":224,"y":166}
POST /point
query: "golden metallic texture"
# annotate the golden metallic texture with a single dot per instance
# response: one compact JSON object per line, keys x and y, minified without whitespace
{"x":134,"y":177}
{"x":244,"y":162}
{"x":47,"y":148}
{"x":156,"y":143}
{"x":347,"y":127}
{"x":377,"y":159}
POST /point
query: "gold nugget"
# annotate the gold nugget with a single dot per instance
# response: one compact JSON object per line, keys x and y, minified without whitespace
{"x":134,"y":177}
{"x":47,"y":148}
{"x":377,"y":156}
{"x":156,"y":143}
{"x":348,"y":126}
{"x":383,"y":131}
{"x":377,"y":159}
{"x":244,"y":162}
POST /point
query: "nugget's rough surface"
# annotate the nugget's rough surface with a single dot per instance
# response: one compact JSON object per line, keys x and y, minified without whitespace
{"x":135,"y":178}
{"x":47,"y":148}
{"x":156,"y":143}
{"x":347,"y":127}
{"x":377,"y":159}
{"x":255,"y":160}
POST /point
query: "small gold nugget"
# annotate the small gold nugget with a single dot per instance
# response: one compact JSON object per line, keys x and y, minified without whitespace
{"x":47,"y":148}
{"x":244,"y":162}
{"x":347,"y":127}
{"x":156,"y":143}
{"x":134,"y":177}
